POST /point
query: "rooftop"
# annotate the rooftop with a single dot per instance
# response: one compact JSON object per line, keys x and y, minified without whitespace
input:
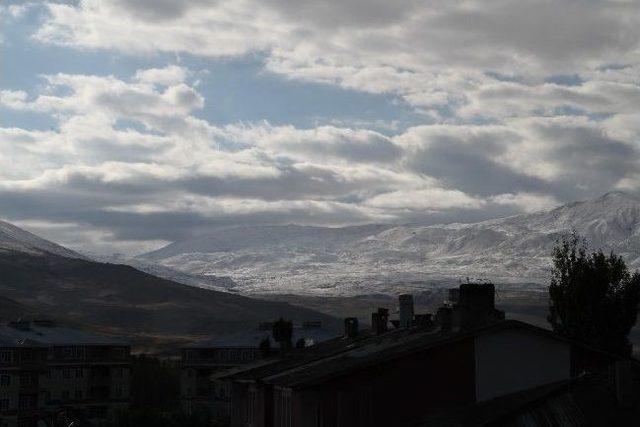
{"x":337,"y":357}
{"x":46,"y":333}
{"x":253,"y":338}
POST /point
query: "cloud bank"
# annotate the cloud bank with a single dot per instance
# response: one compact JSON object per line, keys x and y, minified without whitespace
{"x":525,"y":104}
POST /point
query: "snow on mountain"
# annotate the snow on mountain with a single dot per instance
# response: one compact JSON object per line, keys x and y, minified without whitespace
{"x":377,"y":258}
{"x":14,"y":239}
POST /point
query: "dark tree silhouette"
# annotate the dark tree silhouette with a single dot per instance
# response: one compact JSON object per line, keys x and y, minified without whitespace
{"x":283,"y":332}
{"x":265,"y":347}
{"x":593,"y":297}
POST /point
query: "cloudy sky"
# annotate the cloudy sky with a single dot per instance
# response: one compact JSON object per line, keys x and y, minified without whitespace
{"x":126,"y":124}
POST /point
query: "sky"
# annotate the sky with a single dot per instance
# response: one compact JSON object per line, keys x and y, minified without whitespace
{"x":128,"y":124}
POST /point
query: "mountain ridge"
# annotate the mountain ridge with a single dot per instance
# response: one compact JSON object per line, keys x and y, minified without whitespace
{"x":373,"y":258}
{"x":39,"y":278}
{"x":13,"y":238}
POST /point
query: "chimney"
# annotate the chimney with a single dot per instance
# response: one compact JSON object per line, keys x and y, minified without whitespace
{"x":624,"y":383}
{"x":379,"y":320}
{"x":406,"y":310}
{"x":351,"y":327}
{"x":445,"y":319}
{"x":476,"y":305}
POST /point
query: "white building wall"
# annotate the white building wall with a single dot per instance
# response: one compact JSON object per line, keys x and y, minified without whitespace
{"x":513,"y":360}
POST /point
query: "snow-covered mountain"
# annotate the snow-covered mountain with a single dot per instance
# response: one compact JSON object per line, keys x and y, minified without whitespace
{"x":14,"y":239}
{"x":376,"y":258}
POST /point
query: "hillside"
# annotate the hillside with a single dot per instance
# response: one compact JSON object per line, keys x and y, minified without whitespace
{"x":379,"y":258}
{"x":122,"y":300}
{"x":41,"y":279}
{"x":14,"y":239}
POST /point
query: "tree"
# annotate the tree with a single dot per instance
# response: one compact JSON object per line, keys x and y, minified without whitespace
{"x":265,"y":347}
{"x":593,"y":297}
{"x":283,"y":332}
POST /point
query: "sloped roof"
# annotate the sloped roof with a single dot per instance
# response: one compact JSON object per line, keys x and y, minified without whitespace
{"x":389,"y":346}
{"x":254,"y":337}
{"x":50,"y":334}
{"x":279,"y":363}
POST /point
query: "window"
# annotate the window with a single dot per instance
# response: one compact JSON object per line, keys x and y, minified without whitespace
{"x":118,"y":391}
{"x":120,"y":352}
{"x":4,"y":404}
{"x":78,"y":394}
{"x":97,"y":411}
{"x":118,"y":372}
{"x":6,"y":356}
{"x":26,"y":402}
{"x":5,"y":379}
{"x":66,"y":373}
{"x":79,"y":373}
{"x":65,"y":394}
{"x":28,"y":378}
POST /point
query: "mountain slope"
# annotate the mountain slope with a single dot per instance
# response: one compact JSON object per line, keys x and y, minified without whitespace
{"x":14,"y":239}
{"x":41,"y":279}
{"x":382,"y":258}
{"x":122,"y":300}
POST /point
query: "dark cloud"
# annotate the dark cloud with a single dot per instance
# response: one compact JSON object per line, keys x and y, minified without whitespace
{"x":160,"y":10}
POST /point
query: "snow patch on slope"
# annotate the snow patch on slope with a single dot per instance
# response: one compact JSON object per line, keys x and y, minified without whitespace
{"x":14,"y":239}
{"x":381,"y":258}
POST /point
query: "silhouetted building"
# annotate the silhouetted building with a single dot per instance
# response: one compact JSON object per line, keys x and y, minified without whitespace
{"x":586,"y":400}
{"x":46,"y":367}
{"x":205,"y":358}
{"x":380,"y":378}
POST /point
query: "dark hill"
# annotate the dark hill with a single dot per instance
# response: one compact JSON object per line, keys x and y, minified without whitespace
{"x":121,"y":300}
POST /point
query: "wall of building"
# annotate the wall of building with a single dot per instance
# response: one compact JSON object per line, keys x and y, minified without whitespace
{"x":393,"y":391}
{"x":511,"y":360}
{"x":197,"y":390}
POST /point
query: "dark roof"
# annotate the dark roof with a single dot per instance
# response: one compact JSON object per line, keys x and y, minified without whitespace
{"x":253,"y":338}
{"x":296,"y":357}
{"x":384,"y":347}
{"x":35,"y":334}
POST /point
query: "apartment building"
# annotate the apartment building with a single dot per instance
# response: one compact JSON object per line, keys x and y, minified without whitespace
{"x":46,"y":367}
{"x":203,"y":359}
{"x":423,"y":369}
{"x":21,"y":364}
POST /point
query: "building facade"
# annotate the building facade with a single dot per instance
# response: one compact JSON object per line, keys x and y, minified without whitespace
{"x":202,"y":360}
{"x":58,"y":368}
{"x":21,"y":367}
{"x":399,"y":376}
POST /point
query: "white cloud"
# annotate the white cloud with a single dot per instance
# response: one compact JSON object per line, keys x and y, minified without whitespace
{"x":182,"y":165}
{"x":425,"y":200}
{"x":534,"y":103}
{"x":433,"y":56}
{"x":527,"y":202}
{"x":167,"y":76}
